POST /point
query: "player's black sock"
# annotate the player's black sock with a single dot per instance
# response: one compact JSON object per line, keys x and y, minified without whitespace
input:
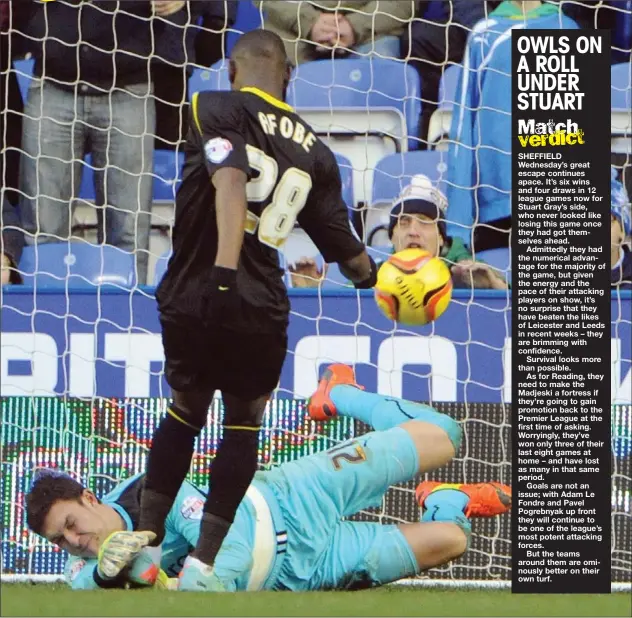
{"x":231,"y":473}
{"x":167,"y":466}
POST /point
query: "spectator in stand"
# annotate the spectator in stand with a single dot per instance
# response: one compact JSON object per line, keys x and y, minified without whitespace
{"x":434,"y":41}
{"x":418,"y":220}
{"x":196,"y":36}
{"x":332,"y":28}
{"x":613,"y":15}
{"x":11,"y":105}
{"x":12,"y":242}
{"x":479,"y":158}
{"x":620,"y":229}
{"x":91,"y":91}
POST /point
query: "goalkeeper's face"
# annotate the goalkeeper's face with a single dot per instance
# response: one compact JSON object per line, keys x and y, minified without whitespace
{"x":80,"y":526}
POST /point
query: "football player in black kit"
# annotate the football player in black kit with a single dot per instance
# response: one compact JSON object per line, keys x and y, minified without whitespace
{"x":252,"y":170}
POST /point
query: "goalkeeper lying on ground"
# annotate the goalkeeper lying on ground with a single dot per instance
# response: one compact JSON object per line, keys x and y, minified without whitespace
{"x":288,"y":533}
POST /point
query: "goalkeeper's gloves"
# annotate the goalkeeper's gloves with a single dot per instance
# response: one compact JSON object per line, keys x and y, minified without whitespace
{"x":222,"y":297}
{"x":119,"y":550}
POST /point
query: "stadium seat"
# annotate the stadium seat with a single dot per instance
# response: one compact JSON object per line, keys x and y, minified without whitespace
{"x":346,"y":176}
{"x":442,"y":117}
{"x":77,"y":264}
{"x":213,"y":78}
{"x":620,"y":105}
{"x":167,"y":174}
{"x":359,"y":83}
{"x":393,"y":174}
{"x":249,"y":17}
{"x":24,"y":73}
{"x":86,"y":188}
{"x":299,"y":245}
{"x":380,"y":252}
{"x":335,"y":280}
{"x":499,"y":259}
{"x":161,"y":267}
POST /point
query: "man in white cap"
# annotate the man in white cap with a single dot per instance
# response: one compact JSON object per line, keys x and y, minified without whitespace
{"x":418,"y":220}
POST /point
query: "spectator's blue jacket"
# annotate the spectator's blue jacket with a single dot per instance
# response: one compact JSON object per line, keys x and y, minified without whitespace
{"x":479,"y":160}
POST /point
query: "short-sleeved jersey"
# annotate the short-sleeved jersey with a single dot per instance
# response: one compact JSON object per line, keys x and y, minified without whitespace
{"x":293,"y":177}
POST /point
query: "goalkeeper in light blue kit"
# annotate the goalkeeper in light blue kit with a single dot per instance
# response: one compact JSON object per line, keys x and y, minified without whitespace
{"x":289,"y":532}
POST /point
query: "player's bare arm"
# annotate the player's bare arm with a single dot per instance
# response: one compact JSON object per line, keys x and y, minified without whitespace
{"x":231,"y":207}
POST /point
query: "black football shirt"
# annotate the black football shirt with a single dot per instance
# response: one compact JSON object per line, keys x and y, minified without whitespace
{"x":293,"y":177}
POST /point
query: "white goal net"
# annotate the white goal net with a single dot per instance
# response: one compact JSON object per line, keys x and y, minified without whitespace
{"x":82,"y":376}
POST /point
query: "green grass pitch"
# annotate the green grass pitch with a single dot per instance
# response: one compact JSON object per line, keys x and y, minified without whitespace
{"x":58,"y":600}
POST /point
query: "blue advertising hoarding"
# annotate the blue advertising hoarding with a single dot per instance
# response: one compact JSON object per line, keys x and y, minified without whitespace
{"x":106,"y":343}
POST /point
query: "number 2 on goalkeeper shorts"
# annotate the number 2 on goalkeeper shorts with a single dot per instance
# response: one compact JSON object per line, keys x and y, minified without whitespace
{"x":351,"y":452}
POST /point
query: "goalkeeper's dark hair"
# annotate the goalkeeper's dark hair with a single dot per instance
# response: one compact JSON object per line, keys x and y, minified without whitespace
{"x":48,"y":487}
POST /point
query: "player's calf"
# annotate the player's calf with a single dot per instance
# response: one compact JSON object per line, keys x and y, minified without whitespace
{"x":435,"y":543}
{"x":339,"y":394}
{"x":437,"y":439}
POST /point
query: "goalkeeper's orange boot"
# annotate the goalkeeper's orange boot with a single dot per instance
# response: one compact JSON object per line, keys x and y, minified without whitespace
{"x":485,"y":499}
{"x":320,"y":406}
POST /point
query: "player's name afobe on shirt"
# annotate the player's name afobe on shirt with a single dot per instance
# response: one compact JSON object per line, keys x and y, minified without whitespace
{"x":289,"y":128}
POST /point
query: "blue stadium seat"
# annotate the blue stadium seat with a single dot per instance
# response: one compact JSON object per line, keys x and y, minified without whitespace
{"x":361,"y":82}
{"x":346,"y":175}
{"x":213,"y":78}
{"x":380,"y":253}
{"x":161,"y":267}
{"x":442,"y":117}
{"x":499,"y":259}
{"x":335,"y":280}
{"x":86,"y":188}
{"x":448,"y":84}
{"x":24,"y":73}
{"x":167,"y":174}
{"x":620,"y":105}
{"x":249,"y":17}
{"x":621,"y":87}
{"x":622,"y":32}
{"x":395,"y":172}
{"x":78,"y":264}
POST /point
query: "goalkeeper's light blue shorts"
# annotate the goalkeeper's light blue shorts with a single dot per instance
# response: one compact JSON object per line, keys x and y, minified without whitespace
{"x":316,"y":492}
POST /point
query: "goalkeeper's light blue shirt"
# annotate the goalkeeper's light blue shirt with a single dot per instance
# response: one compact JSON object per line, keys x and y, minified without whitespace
{"x":249,"y":558}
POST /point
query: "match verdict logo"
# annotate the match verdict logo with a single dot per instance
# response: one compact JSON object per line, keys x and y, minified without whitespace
{"x":535,"y":134}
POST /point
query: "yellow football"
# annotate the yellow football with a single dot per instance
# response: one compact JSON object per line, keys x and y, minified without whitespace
{"x":413,"y":287}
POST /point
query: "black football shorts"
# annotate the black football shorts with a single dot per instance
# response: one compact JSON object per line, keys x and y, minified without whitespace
{"x":246,"y":365}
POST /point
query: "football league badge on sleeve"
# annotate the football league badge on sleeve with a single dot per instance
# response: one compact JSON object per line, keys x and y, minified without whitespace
{"x":192,"y":507}
{"x":217,"y":149}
